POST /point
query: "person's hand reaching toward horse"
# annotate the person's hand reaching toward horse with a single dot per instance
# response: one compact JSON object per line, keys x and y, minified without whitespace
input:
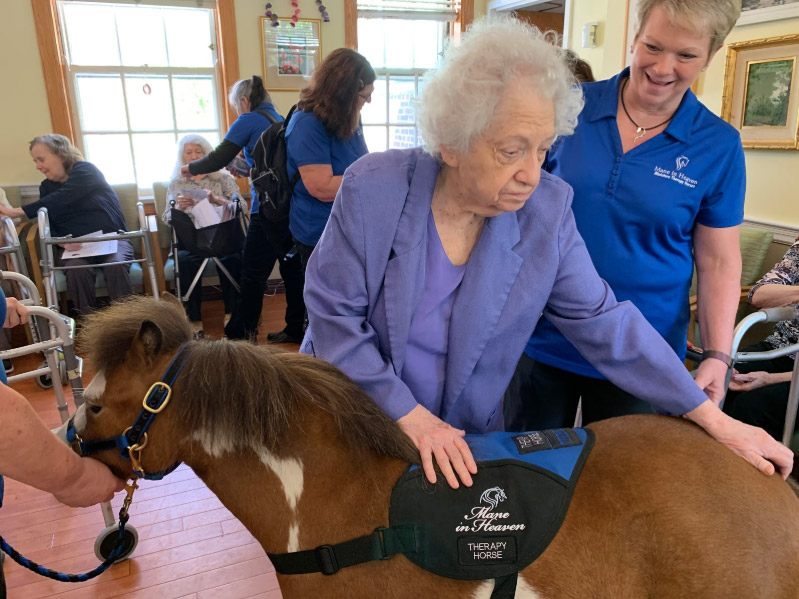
{"x":93,"y":483}
{"x":753,"y":444}
{"x":435,"y":438}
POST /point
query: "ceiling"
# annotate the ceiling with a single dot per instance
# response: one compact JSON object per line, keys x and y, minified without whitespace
{"x":554,"y":6}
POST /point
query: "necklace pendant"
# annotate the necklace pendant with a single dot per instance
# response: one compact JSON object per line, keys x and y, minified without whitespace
{"x":641,"y":132}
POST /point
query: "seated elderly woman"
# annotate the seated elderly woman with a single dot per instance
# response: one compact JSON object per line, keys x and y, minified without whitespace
{"x":758,"y":391}
{"x":437,"y":263}
{"x":79,"y":202}
{"x":219,"y":187}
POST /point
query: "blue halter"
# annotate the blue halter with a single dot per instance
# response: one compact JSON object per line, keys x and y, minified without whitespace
{"x":131,"y":442}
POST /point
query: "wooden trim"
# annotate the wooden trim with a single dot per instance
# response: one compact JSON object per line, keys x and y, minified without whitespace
{"x":467,"y":13}
{"x":351,"y":24}
{"x":228,"y":53}
{"x":51,"y":52}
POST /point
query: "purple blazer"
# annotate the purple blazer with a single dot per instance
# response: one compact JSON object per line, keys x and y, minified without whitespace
{"x":366,"y":276}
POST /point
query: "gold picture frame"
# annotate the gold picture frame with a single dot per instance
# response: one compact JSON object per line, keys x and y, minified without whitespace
{"x":761,"y":92}
{"x":290,"y":55}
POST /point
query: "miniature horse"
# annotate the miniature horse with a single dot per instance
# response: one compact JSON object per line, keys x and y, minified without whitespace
{"x":297,"y":452}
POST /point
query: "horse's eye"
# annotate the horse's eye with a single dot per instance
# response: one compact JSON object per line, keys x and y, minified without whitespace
{"x":95,"y":408}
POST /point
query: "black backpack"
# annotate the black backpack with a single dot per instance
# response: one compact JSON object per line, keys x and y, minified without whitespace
{"x":269,"y":173}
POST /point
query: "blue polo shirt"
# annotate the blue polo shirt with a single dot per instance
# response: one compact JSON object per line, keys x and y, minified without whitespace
{"x":246,"y":130}
{"x":637,"y":211}
{"x":308,"y":142}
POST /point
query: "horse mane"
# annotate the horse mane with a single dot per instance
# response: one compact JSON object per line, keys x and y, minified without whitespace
{"x":235,"y":395}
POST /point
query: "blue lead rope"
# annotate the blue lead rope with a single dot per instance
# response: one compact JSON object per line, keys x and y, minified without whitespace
{"x":41,"y":570}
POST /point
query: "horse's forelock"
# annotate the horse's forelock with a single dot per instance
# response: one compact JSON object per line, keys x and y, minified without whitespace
{"x":106,"y":335}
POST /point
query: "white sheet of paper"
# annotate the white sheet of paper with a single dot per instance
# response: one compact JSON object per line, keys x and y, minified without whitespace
{"x":205,"y":214}
{"x":98,"y":248}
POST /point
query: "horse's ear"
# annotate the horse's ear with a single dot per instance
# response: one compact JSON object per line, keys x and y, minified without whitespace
{"x":170,"y":299}
{"x":149,"y":338}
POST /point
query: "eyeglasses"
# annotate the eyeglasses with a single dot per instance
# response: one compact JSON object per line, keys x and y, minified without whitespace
{"x":365,"y":97}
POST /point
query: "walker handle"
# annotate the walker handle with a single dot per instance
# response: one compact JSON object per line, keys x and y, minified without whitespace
{"x":780,"y":314}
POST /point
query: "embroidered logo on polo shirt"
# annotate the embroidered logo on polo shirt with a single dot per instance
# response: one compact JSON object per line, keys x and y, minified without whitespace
{"x":676,"y":175}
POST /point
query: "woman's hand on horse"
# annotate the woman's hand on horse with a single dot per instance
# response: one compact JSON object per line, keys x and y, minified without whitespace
{"x":753,"y":444}
{"x":92,"y":484}
{"x":435,"y":438}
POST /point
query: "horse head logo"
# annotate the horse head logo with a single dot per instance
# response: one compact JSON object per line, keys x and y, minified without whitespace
{"x":682,"y":161}
{"x":493,"y":496}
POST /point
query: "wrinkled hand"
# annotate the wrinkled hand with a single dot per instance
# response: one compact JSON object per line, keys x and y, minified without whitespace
{"x":72,"y":247}
{"x":749,"y":381}
{"x":710,"y":376}
{"x":185,"y":172}
{"x":753,"y":444}
{"x":434,"y":437}
{"x":185,"y":202}
{"x":94,"y":484}
{"x":16,"y":313}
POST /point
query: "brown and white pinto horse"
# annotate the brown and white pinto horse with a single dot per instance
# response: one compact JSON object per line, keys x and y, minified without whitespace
{"x":304,"y":458}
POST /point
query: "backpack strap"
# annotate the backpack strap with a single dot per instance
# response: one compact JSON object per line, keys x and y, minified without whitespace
{"x":267,"y":114}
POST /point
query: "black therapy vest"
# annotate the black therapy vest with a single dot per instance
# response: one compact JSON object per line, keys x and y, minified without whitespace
{"x":507,"y":518}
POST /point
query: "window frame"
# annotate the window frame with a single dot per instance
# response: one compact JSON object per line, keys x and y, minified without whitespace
{"x":74,"y":72}
{"x":56,"y":78}
{"x":465,"y":18}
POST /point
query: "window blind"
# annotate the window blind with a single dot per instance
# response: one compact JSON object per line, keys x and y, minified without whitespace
{"x":429,"y":10}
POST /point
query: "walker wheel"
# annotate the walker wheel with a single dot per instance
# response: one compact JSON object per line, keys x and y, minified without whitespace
{"x":107,"y":540}
{"x":62,"y":371}
{"x":45,"y":381}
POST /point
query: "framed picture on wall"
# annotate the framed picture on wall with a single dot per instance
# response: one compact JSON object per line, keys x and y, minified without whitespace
{"x":759,"y":11}
{"x":761,"y":92}
{"x":629,"y":31}
{"x":290,"y":53}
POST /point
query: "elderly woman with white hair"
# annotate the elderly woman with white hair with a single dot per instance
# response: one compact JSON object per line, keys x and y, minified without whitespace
{"x":219,"y":187}
{"x":437,"y":263}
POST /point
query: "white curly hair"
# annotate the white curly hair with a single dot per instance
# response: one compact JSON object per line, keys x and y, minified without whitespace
{"x":459,"y":98}
{"x":198,"y":140}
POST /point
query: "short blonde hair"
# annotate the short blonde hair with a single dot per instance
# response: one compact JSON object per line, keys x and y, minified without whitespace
{"x":61,"y":147}
{"x":719,"y":16}
{"x":460,"y":97}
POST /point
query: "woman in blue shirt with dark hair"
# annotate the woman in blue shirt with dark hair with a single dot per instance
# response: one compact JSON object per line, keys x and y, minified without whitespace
{"x":254,"y":106}
{"x":325,"y":137}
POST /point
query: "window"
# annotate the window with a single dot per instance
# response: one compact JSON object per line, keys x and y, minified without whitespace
{"x":139,"y":77}
{"x":401,"y":39}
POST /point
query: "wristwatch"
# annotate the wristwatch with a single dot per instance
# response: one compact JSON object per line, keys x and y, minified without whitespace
{"x":718,"y":355}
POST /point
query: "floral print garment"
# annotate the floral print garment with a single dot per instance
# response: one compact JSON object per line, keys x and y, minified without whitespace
{"x":786,"y":272}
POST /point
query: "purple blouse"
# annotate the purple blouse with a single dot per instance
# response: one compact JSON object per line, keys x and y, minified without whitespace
{"x":425,"y":367}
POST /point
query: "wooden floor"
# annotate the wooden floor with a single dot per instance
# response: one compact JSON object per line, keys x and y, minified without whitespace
{"x":190,"y":546}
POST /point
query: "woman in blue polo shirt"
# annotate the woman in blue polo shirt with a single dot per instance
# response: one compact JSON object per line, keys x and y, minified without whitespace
{"x":659,"y":185}
{"x":254,"y":106}
{"x":323,"y":138}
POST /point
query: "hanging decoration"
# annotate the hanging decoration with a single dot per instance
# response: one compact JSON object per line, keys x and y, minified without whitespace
{"x":272,"y":15}
{"x":323,"y":11}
